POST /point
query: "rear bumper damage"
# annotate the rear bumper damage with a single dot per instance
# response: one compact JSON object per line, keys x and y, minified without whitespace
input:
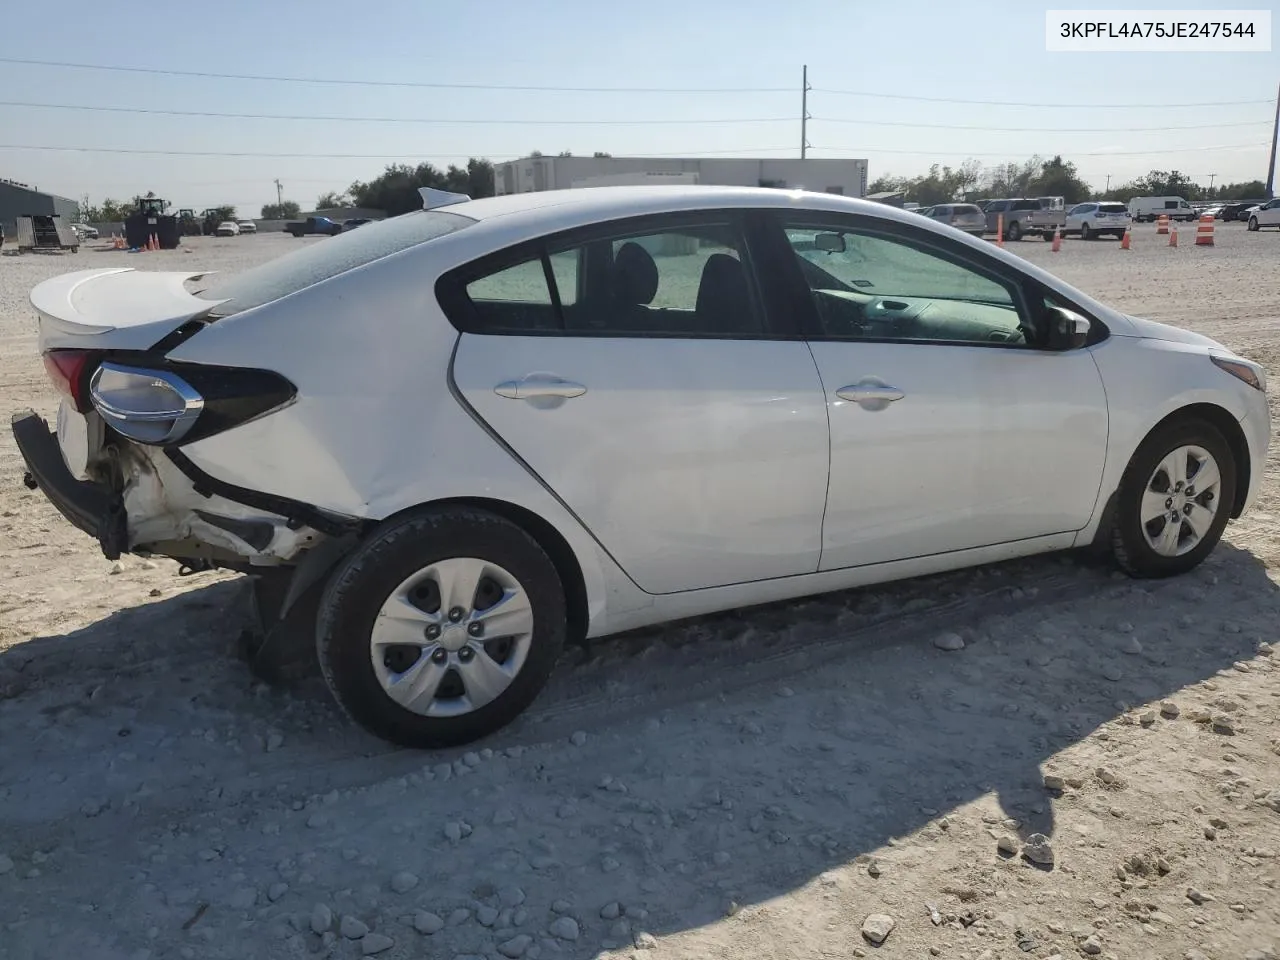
{"x":91,"y":507}
{"x":153,"y":501}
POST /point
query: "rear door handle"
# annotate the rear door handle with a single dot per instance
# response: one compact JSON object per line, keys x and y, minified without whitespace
{"x":531,"y":387}
{"x":863,"y":392}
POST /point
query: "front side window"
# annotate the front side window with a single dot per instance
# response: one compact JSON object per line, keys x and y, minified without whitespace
{"x":874,"y":286}
{"x":689,"y":279}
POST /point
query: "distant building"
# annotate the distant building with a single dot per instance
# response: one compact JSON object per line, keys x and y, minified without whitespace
{"x":20,"y":200}
{"x":530,"y":174}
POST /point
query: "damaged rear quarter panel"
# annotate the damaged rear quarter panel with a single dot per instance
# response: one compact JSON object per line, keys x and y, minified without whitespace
{"x":374,"y":429}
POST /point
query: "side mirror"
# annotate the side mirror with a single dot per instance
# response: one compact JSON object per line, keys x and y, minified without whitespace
{"x":829,"y":242}
{"x":1067,"y":329}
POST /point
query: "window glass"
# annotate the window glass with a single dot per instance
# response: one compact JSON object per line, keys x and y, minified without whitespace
{"x":318,"y":261}
{"x":684,"y":281}
{"x":873,"y":286}
{"x":1112,"y":208}
{"x":514,"y":300}
{"x":564,"y":266}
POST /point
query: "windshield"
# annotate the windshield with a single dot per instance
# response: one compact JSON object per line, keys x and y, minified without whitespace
{"x":325,"y":258}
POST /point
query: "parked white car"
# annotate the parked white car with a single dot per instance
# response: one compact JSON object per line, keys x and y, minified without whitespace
{"x":247,"y":226}
{"x":1097,"y":218}
{"x":227,"y":228}
{"x":84,"y":231}
{"x":1267,"y":215}
{"x":1147,"y":209}
{"x":449,"y":442}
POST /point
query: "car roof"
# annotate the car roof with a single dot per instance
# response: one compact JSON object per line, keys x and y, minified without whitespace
{"x":591,"y":204}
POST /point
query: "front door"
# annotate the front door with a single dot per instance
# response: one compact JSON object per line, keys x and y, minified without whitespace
{"x":949,"y":429}
{"x":634,"y":370}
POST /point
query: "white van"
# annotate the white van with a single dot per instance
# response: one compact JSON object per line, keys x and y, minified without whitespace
{"x":1150,"y":208}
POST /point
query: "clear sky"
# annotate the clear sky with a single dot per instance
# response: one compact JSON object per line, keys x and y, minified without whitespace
{"x":965,"y":51}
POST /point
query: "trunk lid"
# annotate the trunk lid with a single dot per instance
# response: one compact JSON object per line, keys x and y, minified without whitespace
{"x":115,"y":308}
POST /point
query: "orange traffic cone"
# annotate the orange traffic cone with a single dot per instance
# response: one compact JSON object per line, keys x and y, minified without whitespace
{"x":1173,"y":236}
{"x":1057,"y":239}
{"x":1204,"y":231}
{"x":1124,"y":243}
{"x":999,"y":229}
{"x":1162,"y":224}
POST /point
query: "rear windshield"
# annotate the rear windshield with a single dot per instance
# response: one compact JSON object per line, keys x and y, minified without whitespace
{"x":1112,"y":208}
{"x":965,"y":208}
{"x":327,"y":257}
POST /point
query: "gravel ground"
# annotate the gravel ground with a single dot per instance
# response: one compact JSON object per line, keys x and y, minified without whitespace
{"x":1042,"y":758}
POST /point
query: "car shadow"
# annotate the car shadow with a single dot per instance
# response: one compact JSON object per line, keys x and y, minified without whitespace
{"x":733,"y":758}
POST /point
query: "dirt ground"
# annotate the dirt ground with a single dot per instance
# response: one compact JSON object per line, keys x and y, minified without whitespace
{"x":755,"y":785}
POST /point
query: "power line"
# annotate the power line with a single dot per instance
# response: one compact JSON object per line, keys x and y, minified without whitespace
{"x":1051,"y":106}
{"x":367,"y":119}
{"x":328,"y":118}
{"x":420,"y":84}
{"x":385,"y":83}
{"x":954,"y":126}
{"x":340,"y":156}
{"x":864,"y":150}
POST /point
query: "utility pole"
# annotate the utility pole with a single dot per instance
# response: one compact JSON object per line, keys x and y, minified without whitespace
{"x":804,"y":113}
{"x":1275,"y":135}
{"x":1212,"y":177}
{"x":1108,"y":183}
{"x":279,"y":200}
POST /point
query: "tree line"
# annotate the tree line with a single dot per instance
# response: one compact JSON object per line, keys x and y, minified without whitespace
{"x":1037,"y":177}
{"x":395,"y":190}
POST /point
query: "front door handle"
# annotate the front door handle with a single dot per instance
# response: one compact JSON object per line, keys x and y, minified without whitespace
{"x":539,"y":385}
{"x":865,"y":392}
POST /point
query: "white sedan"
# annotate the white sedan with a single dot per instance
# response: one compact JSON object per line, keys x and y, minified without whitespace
{"x":227,"y":228}
{"x":452,"y":441}
{"x":1096,"y":218}
{"x":1266,"y":215}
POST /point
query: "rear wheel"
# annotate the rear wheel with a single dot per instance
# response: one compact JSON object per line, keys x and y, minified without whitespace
{"x":1174,"y":500}
{"x":1253,"y":223}
{"x":442,"y":628}
{"x":1086,"y":232}
{"x":1015,"y":231}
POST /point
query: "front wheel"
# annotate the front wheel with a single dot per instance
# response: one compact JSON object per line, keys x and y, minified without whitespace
{"x":442,"y":628}
{"x":1174,"y":500}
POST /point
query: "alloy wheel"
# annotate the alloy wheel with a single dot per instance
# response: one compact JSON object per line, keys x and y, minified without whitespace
{"x":1181,"y":500}
{"x":452,"y":638}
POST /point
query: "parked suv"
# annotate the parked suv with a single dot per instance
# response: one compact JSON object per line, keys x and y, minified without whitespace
{"x":963,"y":216}
{"x":1094,"y":219}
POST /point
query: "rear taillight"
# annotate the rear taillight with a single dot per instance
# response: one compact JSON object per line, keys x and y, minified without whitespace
{"x":178,"y":403}
{"x":69,"y":370}
{"x":149,"y":406}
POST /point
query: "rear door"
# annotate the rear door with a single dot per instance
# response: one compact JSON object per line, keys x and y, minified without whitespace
{"x":634,"y":369}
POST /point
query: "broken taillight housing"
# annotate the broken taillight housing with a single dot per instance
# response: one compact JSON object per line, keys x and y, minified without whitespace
{"x":69,"y":371}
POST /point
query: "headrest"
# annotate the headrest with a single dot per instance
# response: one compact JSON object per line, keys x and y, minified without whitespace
{"x":635,"y":275}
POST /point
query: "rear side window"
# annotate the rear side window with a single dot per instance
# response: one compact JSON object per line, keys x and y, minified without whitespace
{"x":1027,"y":205}
{"x":324,"y":258}
{"x":686,"y":280}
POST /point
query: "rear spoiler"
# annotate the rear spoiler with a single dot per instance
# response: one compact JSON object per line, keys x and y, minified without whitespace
{"x":432,"y":198}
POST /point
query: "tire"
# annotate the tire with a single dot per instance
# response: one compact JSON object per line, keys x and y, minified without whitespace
{"x":402,"y":557}
{"x":1014,"y":232}
{"x":1086,"y":232}
{"x":1129,"y":540}
{"x":1253,"y":223}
